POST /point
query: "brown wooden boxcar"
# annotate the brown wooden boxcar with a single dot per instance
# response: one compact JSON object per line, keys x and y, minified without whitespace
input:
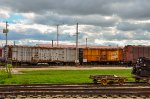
{"x":132,"y":53}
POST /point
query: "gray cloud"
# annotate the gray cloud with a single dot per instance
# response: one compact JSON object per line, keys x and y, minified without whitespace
{"x":98,"y":17}
{"x":135,"y":9}
{"x":138,"y":35}
{"x":59,"y":6}
{"x":34,"y":34}
{"x":97,"y":20}
{"x":128,"y":26}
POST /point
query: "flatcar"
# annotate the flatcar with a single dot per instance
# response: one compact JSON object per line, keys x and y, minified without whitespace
{"x":108,"y":79}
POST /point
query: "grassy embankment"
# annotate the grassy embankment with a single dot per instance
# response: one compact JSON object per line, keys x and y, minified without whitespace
{"x":60,"y":76}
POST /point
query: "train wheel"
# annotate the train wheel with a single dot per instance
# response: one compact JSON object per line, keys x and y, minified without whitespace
{"x":95,"y":81}
{"x":121,"y":81}
{"x":104,"y":82}
{"x":148,"y":81}
{"x":137,"y":80}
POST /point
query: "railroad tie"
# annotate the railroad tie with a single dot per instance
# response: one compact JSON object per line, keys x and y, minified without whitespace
{"x":95,"y":96}
{"x":74,"y":96}
{"x":34,"y":96}
{"x":61,"y":96}
{"x":67,"y":96}
{"x":22,"y":96}
{"x":9,"y":96}
{"x":2,"y":97}
{"x":124,"y":96}
{"x":133,"y":96}
{"x":104,"y":96}
{"x":54,"y":96}
{"x":29,"y":96}
{"x":114,"y":96}
{"x":143,"y":96}
{"x":85,"y":96}
{"x":12,"y":97}
{"x":43,"y":96}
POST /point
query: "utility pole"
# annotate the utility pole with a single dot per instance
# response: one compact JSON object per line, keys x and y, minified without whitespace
{"x":86,"y":42}
{"x":14,"y":43}
{"x":6,"y":31}
{"x":6,"y":51}
{"x":57,"y":34}
{"x":77,"y":61}
{"x":52,"y":43}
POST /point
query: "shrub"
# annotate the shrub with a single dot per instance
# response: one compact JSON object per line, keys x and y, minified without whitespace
{"x":3,"y":75}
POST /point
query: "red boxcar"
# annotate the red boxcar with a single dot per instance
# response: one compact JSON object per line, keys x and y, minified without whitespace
{"x":132,"y":53}
{"x":0,"y":52}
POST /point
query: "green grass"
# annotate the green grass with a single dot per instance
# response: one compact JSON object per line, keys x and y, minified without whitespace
{"x":61,"y":76}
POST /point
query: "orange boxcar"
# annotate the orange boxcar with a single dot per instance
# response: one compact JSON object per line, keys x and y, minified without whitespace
{"x":91,"y":55}
{"x":115,"y":55}
{"x":103,"y":55}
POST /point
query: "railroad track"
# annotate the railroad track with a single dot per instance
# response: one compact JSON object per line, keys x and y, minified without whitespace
{"x":74,"y":90}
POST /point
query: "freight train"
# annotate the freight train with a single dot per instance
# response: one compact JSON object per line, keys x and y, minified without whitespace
{"x":69,"y":56}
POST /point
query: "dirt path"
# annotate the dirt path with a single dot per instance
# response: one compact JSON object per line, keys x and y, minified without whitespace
{"x":68,"y":68}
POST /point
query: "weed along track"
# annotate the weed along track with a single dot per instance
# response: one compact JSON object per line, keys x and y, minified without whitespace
{"x":74,"y":90}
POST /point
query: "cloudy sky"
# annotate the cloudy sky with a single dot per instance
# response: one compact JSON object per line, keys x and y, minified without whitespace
{"x":102,"y":22}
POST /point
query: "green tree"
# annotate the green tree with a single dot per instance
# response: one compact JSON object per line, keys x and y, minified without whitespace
{"x":9,"y":69}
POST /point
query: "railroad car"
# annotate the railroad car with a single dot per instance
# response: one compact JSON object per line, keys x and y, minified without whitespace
{"x":1,"y":58}
{"x":132,"y":53}
{"x":108,"y":79}
{"x":103,"y":55}
{"x":114,"y":55}
{"x":34,"y":55}
{"x":91,"y":55}
{"x":0,"y":52}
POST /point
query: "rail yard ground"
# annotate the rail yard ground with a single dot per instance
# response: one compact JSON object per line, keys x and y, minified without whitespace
{"x":69,"y":82}
{"x":74,"y":68}
{"x":75,"y":91}
{"x":59,"y":74}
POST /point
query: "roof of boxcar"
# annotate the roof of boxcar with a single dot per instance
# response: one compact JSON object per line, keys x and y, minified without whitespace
{"x":66,"y":46}
{"x":74,"y":46}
